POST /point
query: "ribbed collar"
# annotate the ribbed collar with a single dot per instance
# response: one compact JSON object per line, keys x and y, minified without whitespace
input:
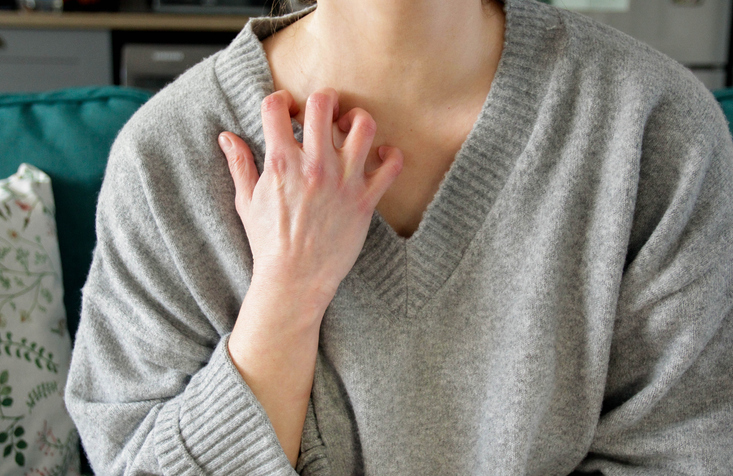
{"x":405,"y":273}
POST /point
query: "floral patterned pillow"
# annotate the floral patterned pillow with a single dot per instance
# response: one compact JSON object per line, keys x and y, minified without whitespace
{"x":37,"y":436}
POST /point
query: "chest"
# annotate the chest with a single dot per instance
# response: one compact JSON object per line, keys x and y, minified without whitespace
{"x":428,"y":154}
{"x":404,"y":204}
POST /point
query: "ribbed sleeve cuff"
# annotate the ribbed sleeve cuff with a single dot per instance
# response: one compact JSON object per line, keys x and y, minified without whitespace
{"x":217,"y":426}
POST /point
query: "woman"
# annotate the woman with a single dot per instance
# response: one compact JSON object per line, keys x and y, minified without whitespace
{"x":544,"y":288}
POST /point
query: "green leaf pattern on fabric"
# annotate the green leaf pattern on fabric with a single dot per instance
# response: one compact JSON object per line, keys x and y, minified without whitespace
{"x":30,"y":351}
{"x":26,"y":270}
{"x":34,"y":342}
{"x":11,"y":431}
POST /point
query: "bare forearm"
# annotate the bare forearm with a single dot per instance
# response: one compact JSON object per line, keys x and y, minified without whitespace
{"x":273,"y":345}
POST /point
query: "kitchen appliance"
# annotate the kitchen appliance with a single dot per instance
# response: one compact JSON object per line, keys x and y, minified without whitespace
{"x":153,"y":66}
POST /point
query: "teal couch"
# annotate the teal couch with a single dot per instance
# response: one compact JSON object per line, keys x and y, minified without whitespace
{"x":67,"y":134}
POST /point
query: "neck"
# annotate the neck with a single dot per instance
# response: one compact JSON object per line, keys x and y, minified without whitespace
{"x":409,"y":51}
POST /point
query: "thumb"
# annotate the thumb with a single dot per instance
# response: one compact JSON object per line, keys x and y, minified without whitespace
{"x":241,"y":165}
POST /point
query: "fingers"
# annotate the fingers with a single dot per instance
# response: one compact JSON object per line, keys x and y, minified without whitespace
{"x":321,"y":110}
{"x":380,"y":179}
{"x":241,"y":166}
{"x":277,"y":110}
{"x":361,"y":129}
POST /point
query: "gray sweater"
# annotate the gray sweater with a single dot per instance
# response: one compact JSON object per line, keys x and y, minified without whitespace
{"x":565,"y":304}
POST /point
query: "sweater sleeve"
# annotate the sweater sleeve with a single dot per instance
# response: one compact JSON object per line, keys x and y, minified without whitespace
{"x":668,"y":403}
{"x":152,"y":388}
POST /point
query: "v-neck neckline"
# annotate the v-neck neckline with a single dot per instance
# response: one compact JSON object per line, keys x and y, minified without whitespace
{"x":402,"y":272}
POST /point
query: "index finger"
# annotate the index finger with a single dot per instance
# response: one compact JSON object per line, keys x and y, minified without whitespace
{"x":277,"y":110}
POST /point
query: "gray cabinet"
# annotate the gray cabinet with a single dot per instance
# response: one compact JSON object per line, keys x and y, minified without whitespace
{"x":39,"y":60}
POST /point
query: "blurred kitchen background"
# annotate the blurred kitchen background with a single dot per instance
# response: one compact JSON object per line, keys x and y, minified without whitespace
{"x":694,"y":32}
{"x":52,"y":44}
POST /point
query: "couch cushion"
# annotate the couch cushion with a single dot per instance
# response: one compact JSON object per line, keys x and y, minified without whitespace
{"x":67,"y":134}
{"x":37,"y":435}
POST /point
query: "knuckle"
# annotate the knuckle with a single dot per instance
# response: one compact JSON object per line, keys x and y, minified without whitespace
{"x":276,"y":163}
{"x":313,"y":172}
{"x":236,"y":165}
{"x":371,"y":125}
{"x":319,"y":101}
{"x":272,"y":103}
{"x":396,"y":167}
{"x":365,"y":123}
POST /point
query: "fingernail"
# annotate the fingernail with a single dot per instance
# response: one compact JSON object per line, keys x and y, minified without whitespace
{"x":381,"y":151}
{"x":225,"y":143}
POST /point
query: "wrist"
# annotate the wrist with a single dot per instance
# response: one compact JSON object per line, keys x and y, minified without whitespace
{"x":275,"y":340}
{"x":308,"y":296}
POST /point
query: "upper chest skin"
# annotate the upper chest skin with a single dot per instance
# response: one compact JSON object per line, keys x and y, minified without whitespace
{"x":429,"y":138}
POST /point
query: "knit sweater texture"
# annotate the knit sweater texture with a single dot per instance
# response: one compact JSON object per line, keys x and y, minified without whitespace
{"x":564,"y":306}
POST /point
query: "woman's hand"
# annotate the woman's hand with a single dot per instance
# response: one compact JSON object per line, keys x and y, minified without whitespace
{"x":307,"y":216}
{"x":306,"y":219}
